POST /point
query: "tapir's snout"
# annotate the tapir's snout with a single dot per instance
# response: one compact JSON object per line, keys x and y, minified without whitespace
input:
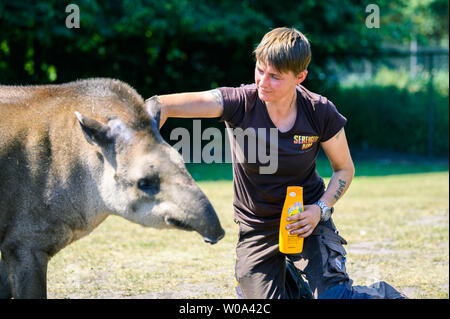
{"x":204,"y":221}
{"x":214,"y":235}
{"x":212,"y":230}
{"x":213,"y":241}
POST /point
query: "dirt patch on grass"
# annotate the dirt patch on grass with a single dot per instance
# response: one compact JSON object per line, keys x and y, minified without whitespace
{"x":183,"y":291}
{"x":373,"y":248}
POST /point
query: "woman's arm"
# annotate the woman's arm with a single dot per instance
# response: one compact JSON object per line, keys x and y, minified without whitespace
{"x":193,"y":104}
{"x":338,"y":153}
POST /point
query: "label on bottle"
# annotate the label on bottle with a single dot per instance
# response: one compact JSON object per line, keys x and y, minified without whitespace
{"x":291,"y":243}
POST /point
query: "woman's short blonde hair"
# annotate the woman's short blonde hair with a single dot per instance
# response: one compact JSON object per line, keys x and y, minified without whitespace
{"x":286,"y":49}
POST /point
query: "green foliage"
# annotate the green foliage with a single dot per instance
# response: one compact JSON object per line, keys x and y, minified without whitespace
{"x":392,"y":111}
{"x":424,"y":20}
{"x":167,"y":46}
{"x":178,"y":45}
{"x":401,"y":79}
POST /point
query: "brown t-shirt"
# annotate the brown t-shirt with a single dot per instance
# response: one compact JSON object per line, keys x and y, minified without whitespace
{"x":259,"y":198}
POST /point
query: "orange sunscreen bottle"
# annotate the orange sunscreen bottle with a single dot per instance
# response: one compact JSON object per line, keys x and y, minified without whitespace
{"x":293,"y":204}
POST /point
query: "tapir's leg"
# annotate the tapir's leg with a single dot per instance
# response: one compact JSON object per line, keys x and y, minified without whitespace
{"x":5,"y":287}
{"x":27,"y":272}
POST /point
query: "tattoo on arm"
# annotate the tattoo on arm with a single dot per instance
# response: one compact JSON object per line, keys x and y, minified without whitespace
{"x":340,"y":189}
{"x":217,"y":96}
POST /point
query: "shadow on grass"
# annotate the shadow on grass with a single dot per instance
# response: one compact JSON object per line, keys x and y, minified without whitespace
{"x":366,"y":164}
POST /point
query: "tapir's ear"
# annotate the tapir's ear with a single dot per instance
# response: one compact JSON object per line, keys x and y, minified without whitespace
{"x":94,"y":131}
{"x":153,"y":108}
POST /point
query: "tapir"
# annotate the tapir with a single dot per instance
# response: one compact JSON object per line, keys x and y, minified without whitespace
{"x":75,"y":153}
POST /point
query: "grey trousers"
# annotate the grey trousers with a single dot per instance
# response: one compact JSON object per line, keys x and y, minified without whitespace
{"x":260,"y":268}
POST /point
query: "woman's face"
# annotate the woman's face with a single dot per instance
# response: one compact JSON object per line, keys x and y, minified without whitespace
{"x":274,"y":86}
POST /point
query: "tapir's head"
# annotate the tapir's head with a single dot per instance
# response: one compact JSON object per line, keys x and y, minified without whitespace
{"x":144,"y":179}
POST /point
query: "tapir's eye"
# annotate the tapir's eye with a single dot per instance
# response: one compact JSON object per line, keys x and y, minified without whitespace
{"x":149,"y":185}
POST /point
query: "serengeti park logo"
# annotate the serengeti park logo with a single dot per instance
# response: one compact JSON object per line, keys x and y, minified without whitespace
{"x":305,"y":141}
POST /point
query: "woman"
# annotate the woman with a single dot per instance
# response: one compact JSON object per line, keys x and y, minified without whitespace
{"x":303,"y":121}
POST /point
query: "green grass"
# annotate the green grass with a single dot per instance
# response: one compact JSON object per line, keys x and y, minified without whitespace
{"x":396,"y":226}
{"x":397,"y":230}
{"x":387,"y":164}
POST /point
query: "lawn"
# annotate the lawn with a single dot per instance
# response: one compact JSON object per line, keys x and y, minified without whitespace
{"x":395,"y":217}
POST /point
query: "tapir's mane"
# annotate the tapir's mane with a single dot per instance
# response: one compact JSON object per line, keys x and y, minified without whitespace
{"x":129,"y":101}
{"x":101,"y":98}
{"x":103,"y":87}
{"x":93,"y":87}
